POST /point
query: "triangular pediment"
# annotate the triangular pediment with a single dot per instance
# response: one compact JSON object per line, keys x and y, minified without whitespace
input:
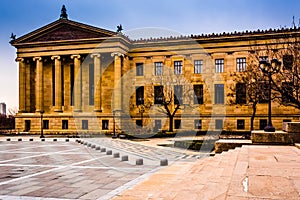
{"x":63,"y":30}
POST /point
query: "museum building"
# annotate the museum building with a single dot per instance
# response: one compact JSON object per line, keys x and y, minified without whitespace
{"x":77,"y":78}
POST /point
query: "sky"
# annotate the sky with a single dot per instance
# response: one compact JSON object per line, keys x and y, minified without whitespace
{"x":183,"y":17}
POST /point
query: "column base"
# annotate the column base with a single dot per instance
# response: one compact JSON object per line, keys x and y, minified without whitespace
{"x":98,"y":110}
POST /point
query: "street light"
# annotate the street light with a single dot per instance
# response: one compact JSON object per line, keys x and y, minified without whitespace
{"x":42,"y":131}
{"x":269,"y":69}
{"x":114,"y":125}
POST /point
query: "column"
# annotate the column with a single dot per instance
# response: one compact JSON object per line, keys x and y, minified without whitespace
{"x":58,"y":84}
{"x":22,"y":85}
{"x":117,"y":97}
{"x":97,"y":83}
{"x":77,"y":83}
{"x":39,"y":84}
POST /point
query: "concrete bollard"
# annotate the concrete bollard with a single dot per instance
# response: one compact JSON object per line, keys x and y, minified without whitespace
{"x":163,"y":162}
{"x":109,"y":152}
{"x":30,"y":139}
{"x":54,"y":140}
{"x":116,"y":155}
{"x":93,"y":146}
{"x":124,"y":158}
{"x":85,"y":143}
{"x":20,"y":139}
{"x":67,"y":140}
{"x":8,"y":139}
{"x":139,"y":161}
{"x":43,"y":139}
{"x":98,"y":148}
{"x":103,"y":149}
{"x":89,"y":145}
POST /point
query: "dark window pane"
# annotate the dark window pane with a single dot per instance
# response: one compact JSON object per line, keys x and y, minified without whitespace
{"x":241,"y":93}
{"x":240,"y":124}
{"x":287,"y":62}
{"x":27,"y":125}
{"x":139,"y":123}
{"x":178,"y":94}
{"x":139,"y":69}
{"x":65,"y":124}
{"x":177,"y":123}
{"x":198,"y":124}
{"x":219,"y":124}
{"x":45,"y":124}
{"x":158,"y":94}
{"x":157,"y":125}
{"x":105,"y":124}
{"x":198,"y":92}
{"x":177,"y":67}
{"x":140,"y":95}
{"x":85,"y":124}
{"x":262,"y":123}
{"x":219,"y":93}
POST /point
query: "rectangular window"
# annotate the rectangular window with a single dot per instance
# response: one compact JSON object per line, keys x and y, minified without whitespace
{"x":72,"y":78}
{"x":157,"y":125}
{"x":263,"y":58}
{"x":240,"y":93}
{"x":139,"y":69}
{"x":177,"y":123}
{"x":264,"y":92}
{"x":198,"y":64}
{"x":219,"y":124}
{"x":240,"y":124}
{"x":178,"y":99}
{"x":139,"y":95}
{"x":91,"y":84}
{"x":241,"y":64}
{"x":198,"y":124}
{"x":158,"y":94}
{"x":139,"y":123}
{"x":287,"y":92}
{"x":219,"y":93}
{"x":65,"y":124}
{"x":105,"y":124}
{"x":219,"y":63}
{"x":286,"y":120}
{"x":198,"y":92}
{"x":158,"y":67}
{"x":177,"y":67}
{"x":287,"y":62}
{"x":45,"y":124}
{"x":262,"y":124}
{"x":85,"y":124}
{"x":27,"y":125}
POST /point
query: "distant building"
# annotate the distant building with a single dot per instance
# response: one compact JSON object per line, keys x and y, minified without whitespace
{"x":2,"y":108}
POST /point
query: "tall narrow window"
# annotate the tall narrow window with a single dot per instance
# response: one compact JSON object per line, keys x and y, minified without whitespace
{"x":177,"y":124}
{"x":241,"y":64}
{"x":287,"y":62}
{"x":158,"y":68}
{"x":91,"y":84}
{"x":45,"y":124}
{"x":287,"y":92}
{"x":198,"y":64}
{"x":139,"y":123}
{"x":27,"y":125}
{"x":240,"y":93}
{"x":139,"y":95}
{"x":157,"y":125}
{"x":53,"y":85}
{"x":85,"y":124}
{"x":178,"y":99}
{"x":177,"y":67}
{"x":158,"y":94}
{"x":65,"y":124}
{"x":139,"y":69}
{"x":198,"y":124}
{"x":219,"y":124}
{"x":262,"y":124}
{"x":240,"y":124}
{"x":263,"y":92}
{"x":72,"y":83}
{"x":219,"y":64}
{"x":219,"y":93}
{"x":105,"y":124}
{"x":198,"y":91}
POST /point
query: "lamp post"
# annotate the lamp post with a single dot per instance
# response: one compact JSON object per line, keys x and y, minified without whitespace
{"x":114,"y":124}
{"x":42,"y":130}
{"x":269,"y":69}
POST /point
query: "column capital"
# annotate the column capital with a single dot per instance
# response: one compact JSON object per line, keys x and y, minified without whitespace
{"x":37,"y":58}
{"x":55,"y":57}
{"x":97,"y":55}
{"x":75,"y":56}
{"x":116,"y":54}
{"x":18,"y":59}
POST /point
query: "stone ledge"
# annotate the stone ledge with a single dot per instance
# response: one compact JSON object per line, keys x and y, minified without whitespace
{"x":277,"y":137}
{"x":224,"y":145}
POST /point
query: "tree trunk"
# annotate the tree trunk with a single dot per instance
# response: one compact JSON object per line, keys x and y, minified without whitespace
{"x":171,"y":123}
{"x":253,"y":116}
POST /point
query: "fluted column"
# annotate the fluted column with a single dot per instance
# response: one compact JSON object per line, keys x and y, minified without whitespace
{"x":58,"y":84}
{"x":39,"y":85}
{"x":77,"y":83}
{"x":22,"y":85}
{"x":117,"y":98}
{"x":97,"y":83}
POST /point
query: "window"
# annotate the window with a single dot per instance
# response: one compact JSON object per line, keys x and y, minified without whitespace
{"x":262,"y":124}
{"x":91,"y":84}
{"x":158,"y":94}
{"x":105,"y":124}
{"x":158,"y":67}
{"x":139,"y":69}
{"x":198,"y":64}
{"x":287,"y":62}
{"x":198,"y":92}
{"x":139,"y":123}
{"x":262,"y":58}
{"x":219,"y":124}
{"x":177,"y":67}
{"x":178,"y":94}
{"x":65,"y":124}
{"x":240,"y":124}
{"x":219,"y":65}
{"x":287,"y":92}
{"x":177,"y":123}
{"x":45,"y":124}
{"x":140,"y":95}
{"x":27,"y":125}
{"x":286,"y":120}
{"x":241,"y":64}
{"x":198,"y":124}
{"x":219,"y":93}
{"x":241,"y":93}
{"x":157,"y":125}
{"x":85,"y":124}
{"x":264,"y":92}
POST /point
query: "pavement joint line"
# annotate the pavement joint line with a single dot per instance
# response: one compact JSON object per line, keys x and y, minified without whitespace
{"x":11,"y":197}
{"x":45,"y":154}
{"x":128,"y":185}
{"x":47,"y":171}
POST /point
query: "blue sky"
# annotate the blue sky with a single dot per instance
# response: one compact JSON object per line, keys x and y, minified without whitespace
{"x":182,"y":16}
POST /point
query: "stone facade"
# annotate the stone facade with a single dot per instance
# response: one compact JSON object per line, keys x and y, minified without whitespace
{"x":80,"y":78}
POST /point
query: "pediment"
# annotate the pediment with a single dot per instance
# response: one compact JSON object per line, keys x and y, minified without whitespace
{"x":62,"y":30}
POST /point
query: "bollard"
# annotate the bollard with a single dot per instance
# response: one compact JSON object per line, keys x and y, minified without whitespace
{"x":43,"y":139}
{"x":116,"y":155}
{"x":8,"y":139}
{"x":124,"y":158}
{"x":89,"y":145}
{"x":108,"y":152}
{"x":54,"y":140}
{"x":163,"y":162}
{"x":139,"y":161}
{"x":30,"y":139}
{"x":20,"y":139}
{"x":67,"y":140}
{"x":93,"y":146}
{"x":103,"y":150}
{"x":98,"y":148}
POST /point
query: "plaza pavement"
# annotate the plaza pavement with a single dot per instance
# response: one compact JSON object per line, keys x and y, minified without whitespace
{"x":69,"y":170}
